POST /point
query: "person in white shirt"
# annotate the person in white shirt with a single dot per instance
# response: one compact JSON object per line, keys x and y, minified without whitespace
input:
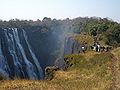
{"x":83,"y":49}
{"x":98,"y":47}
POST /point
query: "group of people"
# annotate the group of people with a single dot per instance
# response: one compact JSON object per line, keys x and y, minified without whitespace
{"x":99,"y":48}
{"x":96,"y":47}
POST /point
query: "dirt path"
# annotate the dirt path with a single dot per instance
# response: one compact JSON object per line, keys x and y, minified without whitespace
{"x":116,"y":74}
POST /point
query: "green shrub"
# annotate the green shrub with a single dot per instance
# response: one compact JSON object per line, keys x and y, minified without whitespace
{"x":2,"y":77}
{"x":49,"y":72}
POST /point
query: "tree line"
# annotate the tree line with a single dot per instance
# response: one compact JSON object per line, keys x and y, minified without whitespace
{"x":108,"y":29}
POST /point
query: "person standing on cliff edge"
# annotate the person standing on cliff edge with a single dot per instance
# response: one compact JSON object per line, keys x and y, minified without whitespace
{"x":83,"y":49}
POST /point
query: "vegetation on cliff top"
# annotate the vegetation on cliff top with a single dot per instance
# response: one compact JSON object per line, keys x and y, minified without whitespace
{"x":109,"y":29}
{"x":90,"y":70}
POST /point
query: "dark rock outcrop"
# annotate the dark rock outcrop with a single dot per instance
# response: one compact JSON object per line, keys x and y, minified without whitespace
{"x":49,"y":72}
{"x":71,"y":46}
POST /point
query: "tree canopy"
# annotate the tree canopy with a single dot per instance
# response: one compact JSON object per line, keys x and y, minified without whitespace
{"x":92,"y":26}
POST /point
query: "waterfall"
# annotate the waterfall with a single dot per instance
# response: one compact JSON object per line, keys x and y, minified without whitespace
{"x":11,"y":49}
{"x":68,"y":45}
{"x":3,"y":64}
{"x":33,"y":56}
{"x":20,"y":65}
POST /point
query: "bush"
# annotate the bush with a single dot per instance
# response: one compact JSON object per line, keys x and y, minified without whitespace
{"x":49,"y":72}
{"x":2,"y":77}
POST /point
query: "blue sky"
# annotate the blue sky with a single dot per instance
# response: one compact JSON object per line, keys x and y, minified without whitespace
{"x":60,"y":9}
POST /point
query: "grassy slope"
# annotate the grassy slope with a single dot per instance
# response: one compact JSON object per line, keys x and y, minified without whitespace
{"x":89,"y":71}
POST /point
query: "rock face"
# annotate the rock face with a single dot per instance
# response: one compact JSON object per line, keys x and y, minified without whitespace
{"x":72,"y":46}
{"x":26,"y":51}
{"x":17,"y":58}
{"x":49,"y":72}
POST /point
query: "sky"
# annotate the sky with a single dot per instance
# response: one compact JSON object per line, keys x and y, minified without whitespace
{"x":59,"y":9}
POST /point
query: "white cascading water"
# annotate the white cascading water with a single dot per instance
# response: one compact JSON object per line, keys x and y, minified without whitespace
{"x":11,"y":47}
{"x":68,"y":45}
{"x":19,"y":57}
{"x":33,"y":55}
{"x":3,"y":64}
{"x":29,"y":66}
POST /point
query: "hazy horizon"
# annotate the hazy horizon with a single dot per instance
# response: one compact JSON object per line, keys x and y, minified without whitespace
{"x":38,"y":9}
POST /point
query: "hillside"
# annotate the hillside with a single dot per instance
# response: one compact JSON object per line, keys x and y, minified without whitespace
{"x":39,"y":44}
{"x":89,"y":71}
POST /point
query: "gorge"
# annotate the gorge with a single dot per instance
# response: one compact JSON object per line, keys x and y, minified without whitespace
{"x":28,"y":47}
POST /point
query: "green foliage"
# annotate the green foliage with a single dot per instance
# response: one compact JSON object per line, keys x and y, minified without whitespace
{"x":91,"y":69}
{"x":77,"y":61}
{"x":2,"y":77}
{"x":74,"y":61}
{"x":91,"y":26}
{"x":98,"y":29}
{"x":95,"y":26}
{"x":49,"y":75}
{"x":86,"y":40}
{"x":113,"y":35}
{"x":49,"y":72}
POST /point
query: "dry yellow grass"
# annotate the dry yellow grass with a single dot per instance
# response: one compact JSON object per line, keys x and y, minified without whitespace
{"x":99,"y":78}
{"x":96,"y":78}
{"x":19,"y":84}
{"x":89,"y":54}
